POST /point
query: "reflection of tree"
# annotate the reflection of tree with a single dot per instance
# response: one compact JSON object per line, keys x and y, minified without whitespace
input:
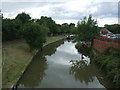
{"x":72,"y":39}
{"x":51,"y":48}
{"x":84,"y":49}
{"x":87,"y":51}
{"x":81,"y":71}
{"x":103,"y":79}
{"x":36,"y":71}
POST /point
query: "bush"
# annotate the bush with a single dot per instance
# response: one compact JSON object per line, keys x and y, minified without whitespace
{"x":109,"y":62}
{"x":35,"y":35}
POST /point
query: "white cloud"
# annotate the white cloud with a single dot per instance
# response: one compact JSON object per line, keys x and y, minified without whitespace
{"x":93,"y":10}
{"x":63,"y":11}
{"x":104,"y":21}
{"x":33,"y":0}
{"x":55,"y":0}
{"x":78,"y":5}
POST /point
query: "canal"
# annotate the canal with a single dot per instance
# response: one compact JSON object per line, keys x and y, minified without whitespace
{"x":60,"y":65}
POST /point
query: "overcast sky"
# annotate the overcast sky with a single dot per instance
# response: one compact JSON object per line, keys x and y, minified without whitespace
{"x":64,"y":11}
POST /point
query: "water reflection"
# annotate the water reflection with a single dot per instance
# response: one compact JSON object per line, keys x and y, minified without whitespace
{"x":90,"y":69}
{"x":36,"y":71}
{"x":51,"y":48}
{"x":84,"y":49}
{"x":81,"y":71}
{"x":60,"y":65}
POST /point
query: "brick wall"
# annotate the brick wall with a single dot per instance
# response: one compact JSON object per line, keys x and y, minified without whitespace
{"x":103,"y":43}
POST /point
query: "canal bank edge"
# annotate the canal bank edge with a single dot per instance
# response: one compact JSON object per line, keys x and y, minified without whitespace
{"x":14,"y":86}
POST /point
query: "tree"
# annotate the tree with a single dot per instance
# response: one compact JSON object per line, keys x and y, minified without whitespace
{"x":59,"y":29}
{"x":72,"y":28}
{"x":23,"y":18}
{"x":65,"y":28}
{"x":87,"y":29}
{"x":49,"y":23}
{"x":20,"y":20}
{"x":11,"y":28}
{"x":35,"y":35}
{"x":9,"y":32}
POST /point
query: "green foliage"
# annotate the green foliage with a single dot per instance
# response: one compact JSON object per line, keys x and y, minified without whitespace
{"x":11,"y":28}
{"x":84,"y":49}
{"x":72,"y":28}
{"x":49,"y":23}
{"x":81,"y":71}
{"x":68,"y":28}
{"x":115,"y":28}
{"x":65,"y":28}
{"x":22,"y":18}
{"x":87,"y":29}
{"x":59,"y":29}
{"x":109,"y":62}
{"x":9,"y":31}
{"x":35,"y":35}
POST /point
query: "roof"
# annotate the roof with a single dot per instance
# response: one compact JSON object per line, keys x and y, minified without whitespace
{"x":104,"y":31}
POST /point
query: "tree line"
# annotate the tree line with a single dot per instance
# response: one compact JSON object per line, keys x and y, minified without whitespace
{"x":34,"y":31}
{"x":13,"y":28}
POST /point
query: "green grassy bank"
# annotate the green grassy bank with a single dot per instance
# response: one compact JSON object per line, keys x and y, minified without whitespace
{"x":109,"y":62}
{"x":16,"y":57}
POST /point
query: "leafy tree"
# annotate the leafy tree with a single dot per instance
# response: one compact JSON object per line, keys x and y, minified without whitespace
{"x":87,"y":29}
{"x":23,"y":18}
{"x":9,"y":31}
{"x":72,"y":28}
{"x":65,"y":28}
{"x":35,"y":35}
{"x":59,"y":29}
{"x":20,"y":20}
{"x":49,"y":23}
{"x":11,"y":28}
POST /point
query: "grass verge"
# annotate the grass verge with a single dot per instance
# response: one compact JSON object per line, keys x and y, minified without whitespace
{"x":109,"y":62}
{"x":16,"y":57}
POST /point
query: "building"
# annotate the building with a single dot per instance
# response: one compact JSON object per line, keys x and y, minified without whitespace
{"x":104,"y":31}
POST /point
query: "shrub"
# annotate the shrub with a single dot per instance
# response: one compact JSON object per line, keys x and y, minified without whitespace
{"x":35,"y":35}
{"x":109,"y":62}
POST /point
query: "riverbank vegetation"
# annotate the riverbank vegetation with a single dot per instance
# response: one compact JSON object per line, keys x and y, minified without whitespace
{"x":16,"y":56}
{"x":14,"y":28}
{"x":40,"y":32}
{"x":34,"y":31}
{"x":109,"y":62}
{"x":23,"y":37}
{"x":87,"y":29}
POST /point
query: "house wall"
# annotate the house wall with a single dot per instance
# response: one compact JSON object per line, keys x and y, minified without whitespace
{"x":102,"y":44}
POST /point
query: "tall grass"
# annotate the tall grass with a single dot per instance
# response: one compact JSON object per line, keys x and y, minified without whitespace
{"x":109,"y":62}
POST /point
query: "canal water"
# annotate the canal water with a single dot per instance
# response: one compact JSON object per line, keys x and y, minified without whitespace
{"x":60,"y":65}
